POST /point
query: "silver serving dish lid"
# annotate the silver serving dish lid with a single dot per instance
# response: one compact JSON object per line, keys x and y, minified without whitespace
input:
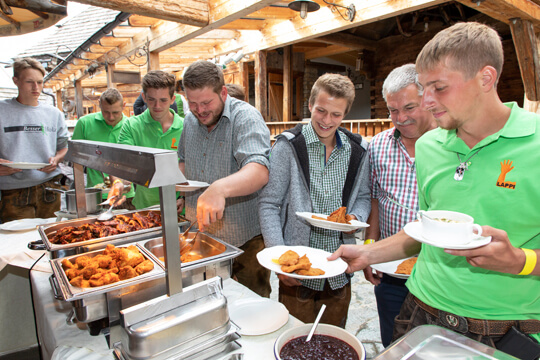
{"x":428,"y":342}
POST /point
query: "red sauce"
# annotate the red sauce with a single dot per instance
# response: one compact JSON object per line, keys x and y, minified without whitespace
{"x":320,"y":347}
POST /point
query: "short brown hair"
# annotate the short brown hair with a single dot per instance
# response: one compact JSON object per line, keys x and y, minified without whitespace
{"x":19,"y":65}
{"x":111,"y":96}
{"x":236,"y":91}
{"x":335,"y":85}
{"x":157,"y":79}
{"x":203,"y":73}
{"x":468,"y":47}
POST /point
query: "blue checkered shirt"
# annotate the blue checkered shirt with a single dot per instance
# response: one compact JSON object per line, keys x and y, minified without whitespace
{"x":239,"y":138}
{"x":327,"y":179}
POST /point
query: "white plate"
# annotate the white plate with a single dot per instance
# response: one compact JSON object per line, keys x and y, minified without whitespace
{"x":330,"y":225}
{"x":317,"y":258}
{"x":193,"y":185}
{"x":23,"y":224}
{"x":258,"y":316}
{"x":414,"y":230}
{"x":25,"y":165}
{"x":390,"y":268}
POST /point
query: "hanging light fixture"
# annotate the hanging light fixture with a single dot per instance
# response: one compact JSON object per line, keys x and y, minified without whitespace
{"x":304,"y":6}
{"x":350,"y":10}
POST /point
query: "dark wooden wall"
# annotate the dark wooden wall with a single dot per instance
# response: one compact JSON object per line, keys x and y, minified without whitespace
{"x":399,"y":50}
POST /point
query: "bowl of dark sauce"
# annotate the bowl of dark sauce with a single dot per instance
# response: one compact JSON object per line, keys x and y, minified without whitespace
{"x":329,"y":342}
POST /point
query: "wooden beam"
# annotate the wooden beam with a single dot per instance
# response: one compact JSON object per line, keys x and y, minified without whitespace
{"x":59,"y":104}
{"x":330,"y":50}
{"x":505,"y":10}
{"x":244,"y":24}
{"x":79,"y":99}
{"x":110,"y":41}
{"x":261,"y":86}
{"x":153,"y":61}
{"x":190,"y":12}
{"x":37,"y":5}
{"x":527,"y":51}
{"x":109,"y":68}
{"x":348,"y":40}
{"x":10,"y":20}
{"x":244,"y":78}
{"x":287,"y":84}
{"x":300,"y":98}
{"x":139,"y":20}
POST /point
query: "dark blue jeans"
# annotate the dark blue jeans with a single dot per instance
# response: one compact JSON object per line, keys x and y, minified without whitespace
{"x":390,"y":294}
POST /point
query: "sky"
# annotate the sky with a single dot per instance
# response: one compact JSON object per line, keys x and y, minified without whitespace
{"x":13,"y":45}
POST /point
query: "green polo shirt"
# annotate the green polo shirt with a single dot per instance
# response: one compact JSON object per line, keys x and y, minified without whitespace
{"x":94,"y":127}
{"x":143,"y":130}
{"x":505,"y":200}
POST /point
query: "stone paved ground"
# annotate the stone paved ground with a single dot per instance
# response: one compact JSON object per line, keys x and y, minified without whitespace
{"x":363,"y":320}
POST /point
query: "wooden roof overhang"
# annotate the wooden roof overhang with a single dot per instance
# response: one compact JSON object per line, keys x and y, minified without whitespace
{"x":19,"y":17}
{"x":171,"y":34}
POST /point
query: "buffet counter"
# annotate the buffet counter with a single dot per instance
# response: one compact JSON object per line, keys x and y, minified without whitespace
{"x":59,"y":339}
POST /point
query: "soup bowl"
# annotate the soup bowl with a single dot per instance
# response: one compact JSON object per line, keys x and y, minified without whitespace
{"x":322,"y":329}
{"x":449,"y":226}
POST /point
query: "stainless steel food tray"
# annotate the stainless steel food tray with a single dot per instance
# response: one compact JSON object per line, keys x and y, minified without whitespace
{"x":58,"y":251}
{"x":69,"y":292}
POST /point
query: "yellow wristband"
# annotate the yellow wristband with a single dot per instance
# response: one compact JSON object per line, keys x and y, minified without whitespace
{"x":369,"y":241}
{"x":116,"y":181}
{"x":530,"y":262}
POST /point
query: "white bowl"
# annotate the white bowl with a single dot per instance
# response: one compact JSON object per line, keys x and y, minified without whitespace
{"x":322,"y":329}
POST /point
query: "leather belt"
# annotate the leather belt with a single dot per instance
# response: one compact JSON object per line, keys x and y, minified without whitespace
{"x":479,"y":326}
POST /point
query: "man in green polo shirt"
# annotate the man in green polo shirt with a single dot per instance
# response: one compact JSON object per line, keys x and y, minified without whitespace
{"x":482,"y":161}
{"x":157,"y":127}
{"x":104,"y":126}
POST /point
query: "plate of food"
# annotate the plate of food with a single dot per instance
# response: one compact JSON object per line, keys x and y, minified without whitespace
{"x":25,"y":165}
{"x":338,"y":220}
{"x":24,"y":224}
{"x":191,"y":185}
{"x":301,"y":262}
{"x":258,"y":316}
{"x":399,"y":268}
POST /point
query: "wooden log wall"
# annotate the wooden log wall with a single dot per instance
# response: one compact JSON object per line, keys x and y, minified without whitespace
{"x":398,"y":50}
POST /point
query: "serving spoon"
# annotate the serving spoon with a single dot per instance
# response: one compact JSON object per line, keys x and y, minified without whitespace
{"x":107,"y":215}
{"x":319,"y":315}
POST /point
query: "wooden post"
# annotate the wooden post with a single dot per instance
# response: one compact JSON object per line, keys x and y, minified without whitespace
{"x":300,"y":98}
{"x":527,"y":51}
{"x":287,"y":83}
{"x":109,"y":68}
{"x":244,"y":78}
{"x":59,"y":102}
{"x":79,"y":98}
{"x":153,"y":61}
{"x":261,"y":85}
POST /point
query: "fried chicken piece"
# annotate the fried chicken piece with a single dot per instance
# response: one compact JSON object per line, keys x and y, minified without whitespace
{"x":303,"y":264}
{"x":103,"y":260}
{"x":82,"y":261}
{"x":112,"y":251}
{"x":406,"y":266}
{"x":348,"y":218}
{"x":79,"y":281}
{"x":126,"y":272}
{"x":339,"y":216}
{"x":107,"y":278}
{"x":73,"y":273}
{"x":89,"y":270}
{"x":144,"y":267}
{"x":66,"y":264}
{"x":130,"y":256}
{"x":318,"y":217}
{"x":288,"y":258}
{"x":310,"y":272}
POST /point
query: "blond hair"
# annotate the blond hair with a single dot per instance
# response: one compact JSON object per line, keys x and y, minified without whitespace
{"x":335,"y":85}
{"x":465,"y":47}
{"x":19,"y":65}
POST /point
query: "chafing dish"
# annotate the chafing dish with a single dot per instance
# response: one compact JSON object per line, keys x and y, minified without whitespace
{"x":58,"y":250}
{"x":182,"y":326}
{"x":91,"y":304}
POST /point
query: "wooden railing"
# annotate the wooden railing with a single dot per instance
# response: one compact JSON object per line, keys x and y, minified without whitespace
{"x":365,"y":127}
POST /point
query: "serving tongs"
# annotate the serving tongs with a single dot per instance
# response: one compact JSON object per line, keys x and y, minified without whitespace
{"x":184,"y":241}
